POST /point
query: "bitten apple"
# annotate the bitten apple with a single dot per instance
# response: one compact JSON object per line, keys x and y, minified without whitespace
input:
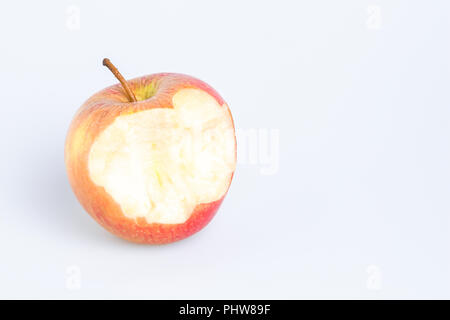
{"x":151,"y":159}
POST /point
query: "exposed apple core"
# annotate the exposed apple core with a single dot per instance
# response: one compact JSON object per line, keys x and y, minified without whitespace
{"x":159,"y":164}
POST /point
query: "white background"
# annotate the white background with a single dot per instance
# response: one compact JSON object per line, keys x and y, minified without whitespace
{"x":359,"y":92}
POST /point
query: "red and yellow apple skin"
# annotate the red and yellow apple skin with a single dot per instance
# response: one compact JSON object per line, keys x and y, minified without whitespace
{"x":96,"y":114}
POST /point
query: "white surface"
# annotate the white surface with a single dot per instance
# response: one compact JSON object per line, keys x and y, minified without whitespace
{"x":359,"y":206}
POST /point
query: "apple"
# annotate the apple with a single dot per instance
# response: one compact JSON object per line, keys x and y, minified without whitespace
{"x":151,"y":159}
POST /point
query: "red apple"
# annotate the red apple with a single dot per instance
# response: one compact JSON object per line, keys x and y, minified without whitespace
{"x":152,"y":158}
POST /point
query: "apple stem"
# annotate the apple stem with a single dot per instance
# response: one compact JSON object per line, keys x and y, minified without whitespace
{"x":107,"y":63}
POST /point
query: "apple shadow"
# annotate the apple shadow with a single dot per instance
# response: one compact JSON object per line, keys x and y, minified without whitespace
{"x":54,"y":205}
{"x":57,"y":210}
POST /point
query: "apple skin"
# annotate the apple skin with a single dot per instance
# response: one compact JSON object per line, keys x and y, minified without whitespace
{"x":96,"y":114}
